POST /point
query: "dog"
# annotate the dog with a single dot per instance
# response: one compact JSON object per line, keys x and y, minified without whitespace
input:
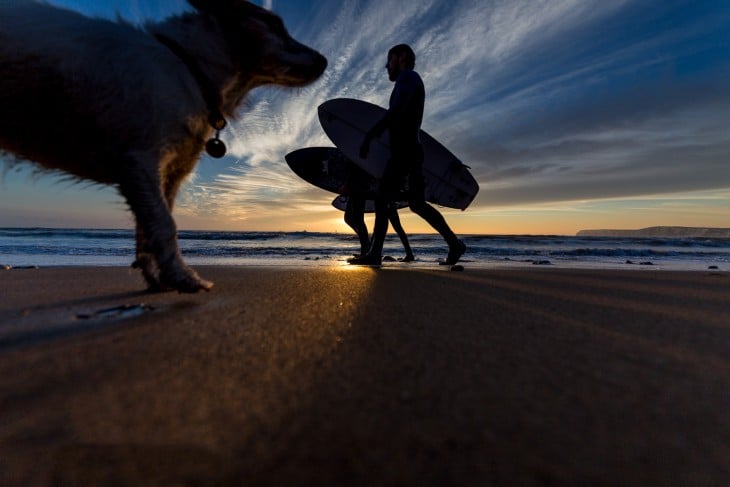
{"x":134,"y":106}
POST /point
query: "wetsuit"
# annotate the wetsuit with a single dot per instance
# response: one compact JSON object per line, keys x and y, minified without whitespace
{"x":403,"y":121}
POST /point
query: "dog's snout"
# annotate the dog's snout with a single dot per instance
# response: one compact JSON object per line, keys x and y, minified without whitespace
{"x":299,"y":64}
{"x":320,"y":63}
{"x":316,"y":60}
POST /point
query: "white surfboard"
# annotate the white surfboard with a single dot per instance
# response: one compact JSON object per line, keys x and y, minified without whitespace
{"x":448,"y":181}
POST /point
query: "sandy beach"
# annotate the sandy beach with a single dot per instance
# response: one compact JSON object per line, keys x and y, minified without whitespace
{"x":356,"y":376}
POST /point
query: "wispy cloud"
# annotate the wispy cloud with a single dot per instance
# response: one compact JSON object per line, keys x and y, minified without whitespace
{"x":472,"y":55}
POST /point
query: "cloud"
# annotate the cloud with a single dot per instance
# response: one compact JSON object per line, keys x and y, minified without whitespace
{"x":545,"y":100}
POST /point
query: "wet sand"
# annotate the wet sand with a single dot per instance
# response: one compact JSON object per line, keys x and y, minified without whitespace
{"x":351,"y":376}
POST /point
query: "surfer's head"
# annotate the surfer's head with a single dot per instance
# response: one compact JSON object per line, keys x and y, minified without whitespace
{"x":400,"y":58}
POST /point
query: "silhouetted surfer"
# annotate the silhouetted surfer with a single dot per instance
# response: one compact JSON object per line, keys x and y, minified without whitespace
{"x":403,"y":121}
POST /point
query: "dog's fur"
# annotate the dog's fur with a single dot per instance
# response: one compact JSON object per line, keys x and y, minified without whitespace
{"x":107,"y":101}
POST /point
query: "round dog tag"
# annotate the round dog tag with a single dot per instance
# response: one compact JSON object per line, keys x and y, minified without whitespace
{"x":215,"y":148}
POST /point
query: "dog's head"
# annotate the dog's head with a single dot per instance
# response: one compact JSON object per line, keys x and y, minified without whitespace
{"x":261,"y":45}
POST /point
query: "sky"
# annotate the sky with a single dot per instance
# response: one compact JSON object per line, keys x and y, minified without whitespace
{"x":572,"y":114}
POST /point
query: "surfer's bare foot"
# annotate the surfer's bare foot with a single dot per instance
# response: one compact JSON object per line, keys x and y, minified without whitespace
{"x":408,"y":258}
{"x":365,"y":260}
{"x":455,"y":253}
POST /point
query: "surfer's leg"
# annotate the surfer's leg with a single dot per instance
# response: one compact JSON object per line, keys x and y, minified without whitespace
{"x":433,"y":217}
{"x":395,"y":221}
{"x":380,"y":227}
{"x":437,"y":221}
{"x":355,"y":218}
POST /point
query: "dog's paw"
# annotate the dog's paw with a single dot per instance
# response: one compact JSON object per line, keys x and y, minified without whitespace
{"x":193,"y":285}
{"x":185,"y":281}
{"x":205,"y":285}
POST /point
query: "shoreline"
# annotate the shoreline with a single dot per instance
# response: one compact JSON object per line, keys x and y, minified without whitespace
{"x":340,"y":261}
{"x":365,"y":376}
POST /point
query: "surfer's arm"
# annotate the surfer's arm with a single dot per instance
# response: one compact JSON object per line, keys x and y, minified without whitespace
{"x":374,"y":132}
{"x":402,"y":98}
{"x":397,"y":104}
{"x":404,"y":93}
{"x":379,"y":127}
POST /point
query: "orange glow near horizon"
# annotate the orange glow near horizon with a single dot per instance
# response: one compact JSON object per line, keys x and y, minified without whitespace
{"x":57,"y":205}
{"x":554,"y":219}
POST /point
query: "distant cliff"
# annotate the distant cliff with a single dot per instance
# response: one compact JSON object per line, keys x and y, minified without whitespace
{"x":661,"y":232}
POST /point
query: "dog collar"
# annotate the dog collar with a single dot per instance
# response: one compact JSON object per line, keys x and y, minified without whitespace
{"x":215,"y":146}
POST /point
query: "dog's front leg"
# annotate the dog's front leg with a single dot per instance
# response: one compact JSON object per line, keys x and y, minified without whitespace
{"x":145,"y":261}
{"x":140,"y":185}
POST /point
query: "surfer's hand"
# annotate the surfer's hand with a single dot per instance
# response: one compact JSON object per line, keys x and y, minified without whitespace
{"x":365,"y":148}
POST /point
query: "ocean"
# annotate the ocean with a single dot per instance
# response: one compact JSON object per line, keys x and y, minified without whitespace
{"x":43,"y":247}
